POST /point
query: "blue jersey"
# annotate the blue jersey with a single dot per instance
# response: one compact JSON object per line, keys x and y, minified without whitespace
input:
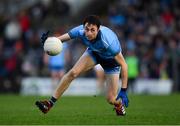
{"x":106,"y":45}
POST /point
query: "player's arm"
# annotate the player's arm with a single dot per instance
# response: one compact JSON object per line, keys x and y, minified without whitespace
{"x":73,"y":33}
{"x":124,"y":69}
{"x":124,"y":77}
{"x":64,"y":37}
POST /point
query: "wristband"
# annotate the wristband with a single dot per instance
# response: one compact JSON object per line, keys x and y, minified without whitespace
{"x":123,"y":89}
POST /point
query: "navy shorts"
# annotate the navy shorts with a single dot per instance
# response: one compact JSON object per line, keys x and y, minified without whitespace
{"x":109,"y":65}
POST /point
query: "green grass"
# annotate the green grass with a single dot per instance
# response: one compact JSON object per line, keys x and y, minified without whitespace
{"x":143,"y":109}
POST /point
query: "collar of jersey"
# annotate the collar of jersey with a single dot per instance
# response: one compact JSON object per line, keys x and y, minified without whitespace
{"x":97,"y":38}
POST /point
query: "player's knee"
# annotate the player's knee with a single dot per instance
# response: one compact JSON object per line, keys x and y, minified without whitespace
{"x":73,"y":73}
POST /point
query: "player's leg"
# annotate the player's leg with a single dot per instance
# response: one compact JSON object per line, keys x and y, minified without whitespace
{"x":112,"y":90}
{"x":112,"y":81}
{"x":100,"y":75}
{"x":83,"y":64}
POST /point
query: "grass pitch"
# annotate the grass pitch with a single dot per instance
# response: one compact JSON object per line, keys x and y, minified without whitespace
{"x":143,"y":109}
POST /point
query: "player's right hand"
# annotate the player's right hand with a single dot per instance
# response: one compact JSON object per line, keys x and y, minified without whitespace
{"x":44,"y":36}
{"x":123,"y":95}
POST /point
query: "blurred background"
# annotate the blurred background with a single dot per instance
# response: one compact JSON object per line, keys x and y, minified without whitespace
{"x":149,"y":32}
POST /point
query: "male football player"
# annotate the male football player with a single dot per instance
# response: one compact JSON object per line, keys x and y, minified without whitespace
{"x":103,"y":47}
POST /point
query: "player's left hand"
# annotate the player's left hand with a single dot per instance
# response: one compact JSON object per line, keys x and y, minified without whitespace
{"x":123,"y":95}
{"x":44,"y":36}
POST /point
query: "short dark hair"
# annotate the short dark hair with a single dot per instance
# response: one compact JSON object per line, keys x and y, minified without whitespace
{"x":92,"y":19}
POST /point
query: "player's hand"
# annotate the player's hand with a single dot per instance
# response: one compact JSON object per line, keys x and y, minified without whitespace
{"x":123,"y":95}
{"x":44,"y":36}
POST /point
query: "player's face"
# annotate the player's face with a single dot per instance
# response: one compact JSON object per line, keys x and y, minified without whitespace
{"x":90,"y":31}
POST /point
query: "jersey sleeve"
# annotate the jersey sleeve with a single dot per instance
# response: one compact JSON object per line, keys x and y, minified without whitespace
{"x":115,"y":48}
{"x":75,"y":32}
{"x":112,"y":41}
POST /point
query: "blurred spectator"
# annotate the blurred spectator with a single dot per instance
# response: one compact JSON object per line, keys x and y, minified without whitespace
{"x":167,"y":20}
{"x":12,"y":32}
{"x":159,"y":50}
{"x":133,"y":69}
{"x":2,"y":60}
{"x":32,"y":63}
{"x":57,"y":65}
